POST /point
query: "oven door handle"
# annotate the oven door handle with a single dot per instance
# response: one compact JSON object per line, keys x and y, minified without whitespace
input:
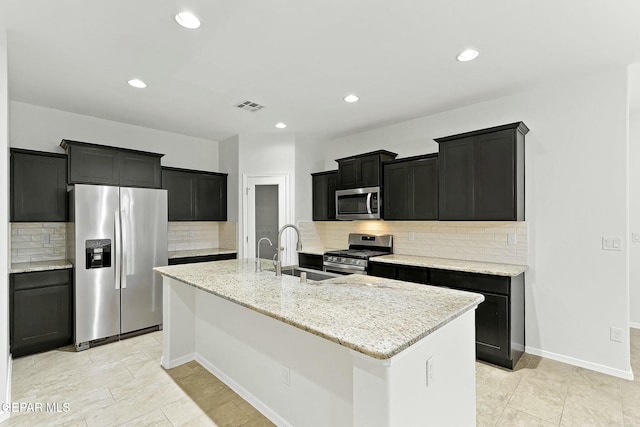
{"x":369,"y":203}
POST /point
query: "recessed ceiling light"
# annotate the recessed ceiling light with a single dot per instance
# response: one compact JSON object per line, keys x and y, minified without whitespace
{"x":351,"y":98}
{"x":468,"y":55}
{"x":281,"y":125}
{"x":137,"y":83}
{"x":188,"y":20}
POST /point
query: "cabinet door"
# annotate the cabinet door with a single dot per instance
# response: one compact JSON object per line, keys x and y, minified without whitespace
{"x":456,"y":179}
{"x":38,"y":188}
{"x":181,"y":192}
{"x":348,"y":174}
{"x":368,"y":171}
{"x":139,"y":170}
{"x":324,"y":196}
{"x":211,"y":197}
{"x":380,"y":269}
{"x":423,"y":185}
{"x":395,"y":203}
{"x":413,"y":274}
{"x":492,"y":330}
{"x":93,"y":165}
{"x":494,"y":176}
{"x":310,"y":261}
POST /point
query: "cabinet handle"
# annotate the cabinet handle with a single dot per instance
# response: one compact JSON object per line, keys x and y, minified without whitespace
{"x":118,"y":245}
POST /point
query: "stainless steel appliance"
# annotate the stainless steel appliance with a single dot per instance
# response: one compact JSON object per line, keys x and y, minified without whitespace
{"x":359,"y":203}
{"x":355,"y":260}
{"x":116,"y":236}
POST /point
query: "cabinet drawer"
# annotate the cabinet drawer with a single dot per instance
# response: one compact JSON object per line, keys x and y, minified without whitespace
{"x":310,"y":261}
{"x":412,"y":274}
{"x":39,"y":279}
{"x":203,"y":258}
{"x":470,"y":281}
{"x":382,"y":270}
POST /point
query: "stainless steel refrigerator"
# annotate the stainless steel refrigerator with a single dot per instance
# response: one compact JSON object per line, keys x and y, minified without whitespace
{"x":116,"y":236}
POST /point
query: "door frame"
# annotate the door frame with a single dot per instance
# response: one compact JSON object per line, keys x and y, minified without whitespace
{"x":284,"y":210}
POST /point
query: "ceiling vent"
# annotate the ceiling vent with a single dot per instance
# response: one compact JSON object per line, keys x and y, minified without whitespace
{"x":250,"y":106}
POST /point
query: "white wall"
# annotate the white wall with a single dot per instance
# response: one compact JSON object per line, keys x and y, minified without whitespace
{"x":576,"y":180}
{"x":5,"y":386}
{"x":229,"y":163}
{"x":310,"y":157}
{"x":634,"y":218}
{"x":39,"y":128}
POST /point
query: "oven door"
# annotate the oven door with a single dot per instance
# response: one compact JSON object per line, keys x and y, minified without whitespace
{"x":358,"y":203}
{"x":332,"y":267}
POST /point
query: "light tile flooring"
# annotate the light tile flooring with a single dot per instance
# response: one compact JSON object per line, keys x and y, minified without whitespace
{"x":123,"y":384}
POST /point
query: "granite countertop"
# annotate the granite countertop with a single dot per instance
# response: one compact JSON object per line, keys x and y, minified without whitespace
{"x":199,"y":252}
{"x":454,"y":264}
{"x":313,"y":251}
{"x":27,"y":267}
{"x":374,"y":316}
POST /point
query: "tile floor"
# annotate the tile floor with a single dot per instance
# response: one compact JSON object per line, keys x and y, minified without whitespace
{"x":123,"y":384}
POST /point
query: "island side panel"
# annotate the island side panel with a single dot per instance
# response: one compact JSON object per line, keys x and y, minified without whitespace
{"x":251,"y":353}
{"x":394,"y":392}
{"x":178,"y":317}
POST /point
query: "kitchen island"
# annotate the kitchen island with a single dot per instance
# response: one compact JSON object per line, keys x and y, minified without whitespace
{"x":354,"y":350}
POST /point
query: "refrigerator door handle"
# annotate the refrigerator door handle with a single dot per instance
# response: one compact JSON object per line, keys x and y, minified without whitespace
{"x":118,"y":245}
{"x":123,"y":250}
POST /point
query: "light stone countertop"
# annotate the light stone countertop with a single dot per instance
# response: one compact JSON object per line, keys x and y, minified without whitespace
{"x":374,"y":316}
{"x":199,"y":252}
{"x":314,"y":250}
{"x":454,"y":264}
{"x":28,"y":267}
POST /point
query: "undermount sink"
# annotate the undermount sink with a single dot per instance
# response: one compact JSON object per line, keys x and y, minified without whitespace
{"x":316,"y":275}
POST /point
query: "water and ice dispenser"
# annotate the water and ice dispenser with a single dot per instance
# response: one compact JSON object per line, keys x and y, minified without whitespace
{"x":98,"y":253}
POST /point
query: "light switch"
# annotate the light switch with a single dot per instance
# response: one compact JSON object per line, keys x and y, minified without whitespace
{"x":635,"y":237}
{"x":611,"y":243}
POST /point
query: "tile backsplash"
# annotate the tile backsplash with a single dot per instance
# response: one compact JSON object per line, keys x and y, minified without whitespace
{"x":474,"y":241}
{"x":228,"y":234}
{"x":186,"y":235}
{"x":38,"y":241}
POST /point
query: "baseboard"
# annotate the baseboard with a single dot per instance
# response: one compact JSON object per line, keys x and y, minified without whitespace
{"x":5,"y":415}
{"x":627,"y":375}
{"x":177,"y":362}
{"x":254,"y":401}
{"x":634,"y":325}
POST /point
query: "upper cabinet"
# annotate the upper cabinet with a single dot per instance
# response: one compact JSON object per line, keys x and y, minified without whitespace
{"x":38,"y":186}
{"x":195,"y":195}
{"x":323,"y":186}
{"x":481,"y":174}
{"x":99,"y":164}
{"x":362,"y":170}
{"x":411,"y":188}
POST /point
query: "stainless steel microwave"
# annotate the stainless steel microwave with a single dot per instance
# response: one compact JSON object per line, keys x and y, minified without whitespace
{"x":358,"y":203}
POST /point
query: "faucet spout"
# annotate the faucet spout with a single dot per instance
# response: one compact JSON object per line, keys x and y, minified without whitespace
{"x":258,"y":263}
{"x":280,"y":248}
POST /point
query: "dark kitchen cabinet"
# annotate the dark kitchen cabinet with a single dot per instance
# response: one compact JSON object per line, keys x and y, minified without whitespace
{"x":195,"y":195}
{"x":202,"y":258}
{"x":38,"y":186}
{"x":362,"y":170}
{"x":101,"y":164}
{"x":313,"y":261}
{"x":41,"y":311}
{"x":323,"y":187}
{"x":481,"y":174}
{"x":499,"y":318}
{"x":411,"y":188}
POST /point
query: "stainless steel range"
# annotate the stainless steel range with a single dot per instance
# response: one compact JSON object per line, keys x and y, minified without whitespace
{"x":356,"y":259}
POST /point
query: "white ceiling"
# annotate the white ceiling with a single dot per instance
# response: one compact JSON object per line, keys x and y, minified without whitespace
{"x":300,"y":58}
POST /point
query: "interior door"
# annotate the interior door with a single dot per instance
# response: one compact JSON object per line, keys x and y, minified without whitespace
{"x":144,"y":246}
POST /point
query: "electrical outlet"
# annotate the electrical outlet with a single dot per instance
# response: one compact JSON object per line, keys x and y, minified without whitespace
{"x":45,"y":238}
{"x":430,"y":370}
{"x":616,"y":334}
{"x":635,"y":237}
{"x":611,"y":243}
{"x":512,"y":239}
{"x":412,"y":235}
{"x":286,"y":375}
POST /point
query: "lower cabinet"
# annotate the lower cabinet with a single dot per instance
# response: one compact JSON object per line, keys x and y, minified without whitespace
{"x":202,"y":258}
{"x":313,"y":261}
{"x":499,"y":318}
{"x":41,"y":311}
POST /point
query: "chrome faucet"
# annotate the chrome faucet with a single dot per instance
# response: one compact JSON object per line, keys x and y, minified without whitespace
{"x":280,"y":248}
{"x":258,"y":263}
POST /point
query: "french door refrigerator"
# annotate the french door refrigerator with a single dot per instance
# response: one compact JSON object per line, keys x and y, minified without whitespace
{"x":117,"y":236}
